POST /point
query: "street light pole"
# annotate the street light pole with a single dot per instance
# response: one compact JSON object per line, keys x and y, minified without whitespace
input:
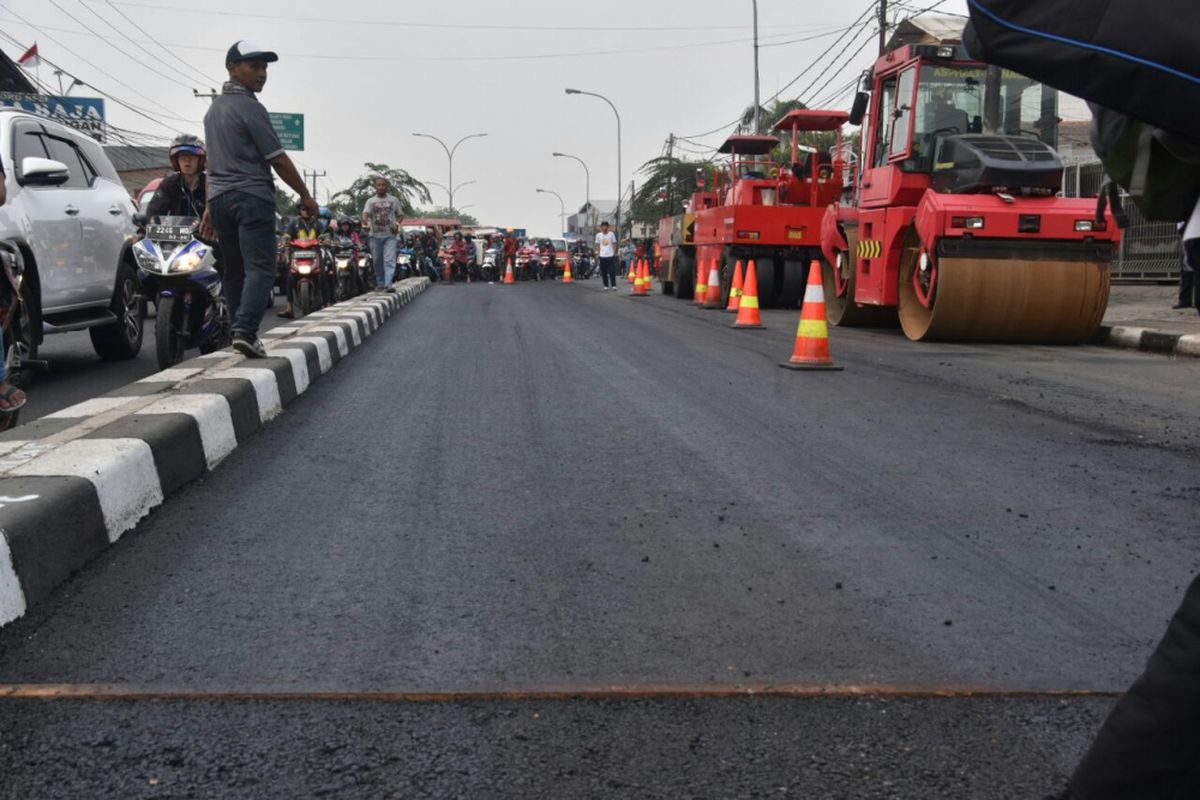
{"x":450,"y":157}
{"x":562,"y":208}
{"x":587,"y":176}
{"x":620,"y":184}
{"x":448,"y":191}
{"x":757,"y":111}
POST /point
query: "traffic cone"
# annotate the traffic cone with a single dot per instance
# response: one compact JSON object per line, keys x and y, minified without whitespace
{"x":567,"y":276}
{"x":647,"y":278}
{"x":701,"y":290}
{"x":446,"y":273}
{"x":712,"y":295}
{"x":632,"y":276}
{"x":735,"y":290}
{"x":812,"y":337}
{"x":509,"y":278}
{"x":748,"y":316}
{"x":642,"y":289}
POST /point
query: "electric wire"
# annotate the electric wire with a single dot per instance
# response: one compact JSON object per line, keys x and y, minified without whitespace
{"x":156,"y":41}
{"x":123,"y":52}
{"x":139,"y":45}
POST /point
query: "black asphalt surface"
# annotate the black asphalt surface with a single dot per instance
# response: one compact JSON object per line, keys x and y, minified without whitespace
{"x":516,"y":490}
{"x":76,"y":373}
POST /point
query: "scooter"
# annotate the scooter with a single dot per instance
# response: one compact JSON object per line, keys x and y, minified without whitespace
{"x":178,"y":269}
{"x":489,"y":271}
{"x":345,"y":257}
{"x":305,"y":268}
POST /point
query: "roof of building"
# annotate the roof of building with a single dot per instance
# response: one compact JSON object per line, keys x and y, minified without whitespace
{"x":128,"y":158}
{"x":12,"y":79}
{"x":928,"y":29}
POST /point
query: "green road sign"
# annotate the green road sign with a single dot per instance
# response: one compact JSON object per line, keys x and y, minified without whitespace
{"x":290,"y":130}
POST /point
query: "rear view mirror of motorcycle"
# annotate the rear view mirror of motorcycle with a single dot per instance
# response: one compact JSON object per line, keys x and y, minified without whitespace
{"x":140,"y":219}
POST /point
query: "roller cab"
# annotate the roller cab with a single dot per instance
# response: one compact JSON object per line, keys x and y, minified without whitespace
{"x":956,"y":231}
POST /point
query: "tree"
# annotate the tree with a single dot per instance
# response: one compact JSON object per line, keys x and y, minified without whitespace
{"x":667,"y":184}
{"x":442,"y":212}
{"x":405,"y":187}
{"x":768,"y":116}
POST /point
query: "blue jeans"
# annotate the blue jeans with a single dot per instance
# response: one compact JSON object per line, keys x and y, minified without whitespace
{"x":383,"y":251}
{"x":245,"y":224}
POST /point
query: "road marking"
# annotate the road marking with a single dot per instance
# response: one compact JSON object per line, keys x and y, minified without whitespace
{"x":12,"y":598}
{"x":122,"y":470}
{"x":99,"y":691}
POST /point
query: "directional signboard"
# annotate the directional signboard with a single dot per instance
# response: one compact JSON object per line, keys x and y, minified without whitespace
{"x":290,"y":130}
{"x":82,"y":113}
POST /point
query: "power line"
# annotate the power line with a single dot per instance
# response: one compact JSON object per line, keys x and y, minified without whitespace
{"x":160,"y":46}
{"x":140,"y":112}
{"x":452,"y":26}
{"x":128,"y":55}
{"x":857,"y":40}
{"x":130,"y":39}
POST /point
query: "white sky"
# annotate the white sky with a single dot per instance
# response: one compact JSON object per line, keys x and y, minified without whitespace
{"x":366,"y":84}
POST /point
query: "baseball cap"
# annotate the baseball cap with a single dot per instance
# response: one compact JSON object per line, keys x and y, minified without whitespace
{"x":244,"y":50}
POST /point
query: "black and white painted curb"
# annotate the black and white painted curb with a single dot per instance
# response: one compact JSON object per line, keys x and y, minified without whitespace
{"x":1149,"y":340}
{"x":72,"y":482}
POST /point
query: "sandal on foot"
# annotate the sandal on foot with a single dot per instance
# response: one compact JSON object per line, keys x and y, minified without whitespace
{"x":9,"y":402}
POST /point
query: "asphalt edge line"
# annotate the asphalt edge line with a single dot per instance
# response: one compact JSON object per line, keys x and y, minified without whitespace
{"x":151,"y":438}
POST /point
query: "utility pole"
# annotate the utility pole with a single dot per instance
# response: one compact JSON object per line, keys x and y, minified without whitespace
{"x":314,"y":175}
{"x":882,"y":26}
{"x":757,"y":111}
{"x":670,"y":174}
{"x":209,"y":95}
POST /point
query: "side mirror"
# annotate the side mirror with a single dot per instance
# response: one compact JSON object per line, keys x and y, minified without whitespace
{"x":140,"y":220}
{"x":859,"y":109}
{"x":43,"y":172}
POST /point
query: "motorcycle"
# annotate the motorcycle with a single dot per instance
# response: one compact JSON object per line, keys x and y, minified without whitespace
{"x":178,"y":269}
{"x":20,"y":345}
{"x":305,"y":266}
{"x":583,"y":266}
{"x":345,"y":256}
{"x":404,"y":263}
{"x":546,"y":266}
{"x":490,"y":271}
{"x":366,"y":269}
{"x":529,"y":264}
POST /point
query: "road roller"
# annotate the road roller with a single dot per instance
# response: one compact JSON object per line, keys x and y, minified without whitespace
{"x":955,"y":230}
{"x":754,"y":208}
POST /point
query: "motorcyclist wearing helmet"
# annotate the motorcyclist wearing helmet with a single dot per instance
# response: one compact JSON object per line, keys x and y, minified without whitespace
{"x":183,"y":193}
{"x":458,"y":254}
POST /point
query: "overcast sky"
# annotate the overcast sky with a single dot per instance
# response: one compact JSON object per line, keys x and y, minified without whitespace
{"x":388,"y":68}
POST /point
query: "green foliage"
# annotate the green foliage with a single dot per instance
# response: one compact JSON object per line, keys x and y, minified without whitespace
{"x":405,"y":187}
{"x":667,"y":184}
{"x":285,"y":203}
{"x":441,"y":212}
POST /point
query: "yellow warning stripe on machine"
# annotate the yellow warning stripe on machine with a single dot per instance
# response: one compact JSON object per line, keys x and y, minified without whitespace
{"x":869,"y":248}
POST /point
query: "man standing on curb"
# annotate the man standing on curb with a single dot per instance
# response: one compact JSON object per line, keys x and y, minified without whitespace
{"x":242,"y":150}
{"x":381,"y":216}
{"x":606,"y":247}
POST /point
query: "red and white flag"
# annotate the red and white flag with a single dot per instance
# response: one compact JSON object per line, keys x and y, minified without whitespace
{"x":31,"y":58}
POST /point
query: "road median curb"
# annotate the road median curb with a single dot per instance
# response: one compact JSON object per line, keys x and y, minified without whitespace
{"x":1148,"y":340}
{"x":73,"y":482}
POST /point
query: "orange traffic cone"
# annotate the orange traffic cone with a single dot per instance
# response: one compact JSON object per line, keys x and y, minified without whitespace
{"x":712,"y":297}
{"x":644,"y":274}
{"x":632,"y":276}
{"x":735,"y":290}
{"x":748,"y":316}
{"x":446,"y":273}
{"x":812,"y":337}
{"x":509,"y":278}
{"x":567,"y":276}
{"x":701,"y":291}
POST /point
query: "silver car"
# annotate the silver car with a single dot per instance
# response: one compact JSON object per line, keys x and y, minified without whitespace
{"x":71,"y":219}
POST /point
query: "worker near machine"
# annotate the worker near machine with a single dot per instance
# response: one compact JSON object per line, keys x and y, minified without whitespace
{"x":606,"y":252}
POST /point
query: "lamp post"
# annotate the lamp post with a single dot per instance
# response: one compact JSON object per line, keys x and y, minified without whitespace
{"x":450,"y":157}
{"x":587,"y":175}
{"x":757,"y":110}
{"x":448,"y":191}
{"x":617,"y":213}
{"x":562,"y":213}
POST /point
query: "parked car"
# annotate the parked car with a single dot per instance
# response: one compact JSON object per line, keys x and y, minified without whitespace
{"x":146,"y":194}
{"x":72,"y":221}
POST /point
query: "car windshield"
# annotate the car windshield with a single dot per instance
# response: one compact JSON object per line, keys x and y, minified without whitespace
{"x":950,"y":99}
{"x":559,"y":244}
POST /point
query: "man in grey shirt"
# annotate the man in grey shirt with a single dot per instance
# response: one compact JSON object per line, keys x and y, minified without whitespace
{"x":242,"y":150}
{"x":381,"y":217}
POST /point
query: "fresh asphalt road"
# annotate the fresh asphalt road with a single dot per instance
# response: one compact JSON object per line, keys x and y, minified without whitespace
{"x":530,"y":541}
{"x":76,"y":373}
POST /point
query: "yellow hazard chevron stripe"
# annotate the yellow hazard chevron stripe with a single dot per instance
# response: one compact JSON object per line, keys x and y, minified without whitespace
{"x":869,"y":248}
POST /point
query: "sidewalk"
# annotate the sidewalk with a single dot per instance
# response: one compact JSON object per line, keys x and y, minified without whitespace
{"x":1140,"y":317}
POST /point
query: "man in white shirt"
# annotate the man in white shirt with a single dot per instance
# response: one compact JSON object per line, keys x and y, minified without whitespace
{"x":606,"y":249}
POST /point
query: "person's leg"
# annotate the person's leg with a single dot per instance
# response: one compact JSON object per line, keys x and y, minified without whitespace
{"x":1191,"y":254}
{"x":1187,"y":279}
{"x":225,"y":224}
{"x":256,"y":238}
{"x":389,"y":261}
{"x":377,"y":257}
{"x":1149,"y":747}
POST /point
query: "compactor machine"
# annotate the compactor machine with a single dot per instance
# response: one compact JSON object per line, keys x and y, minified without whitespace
{"x":759,"y":210}
{"x":957,"y":230}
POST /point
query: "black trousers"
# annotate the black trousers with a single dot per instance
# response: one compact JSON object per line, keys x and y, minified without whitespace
{"x":1149,"y":747}
{"x":608,"y":270}
{"x":1188,"y":296}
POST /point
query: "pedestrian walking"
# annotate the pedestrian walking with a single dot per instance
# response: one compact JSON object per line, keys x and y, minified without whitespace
{"x":606,"y":250}
{"x":242,"y":150}
{"x":381,"y":217}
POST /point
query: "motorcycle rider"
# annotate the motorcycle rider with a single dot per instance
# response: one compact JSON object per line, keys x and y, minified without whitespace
{"x":183,"y":193}
{"x":304,"y":228}
{"x":458,"y":255}
{"x":510,"y":252}
{"x":472,"y":252}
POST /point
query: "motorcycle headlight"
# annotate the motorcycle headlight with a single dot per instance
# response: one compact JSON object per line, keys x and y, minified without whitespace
{"x":145,"y":260}
{"x":189,"y":262}
{"x":305,"y":268}
{"x":343,"y":263}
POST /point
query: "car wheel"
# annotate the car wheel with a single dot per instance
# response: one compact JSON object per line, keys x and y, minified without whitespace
{"x":122,"y":341}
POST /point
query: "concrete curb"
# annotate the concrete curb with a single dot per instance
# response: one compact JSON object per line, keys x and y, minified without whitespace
{"x":1148,"y":340}
{"x":72,"y":482}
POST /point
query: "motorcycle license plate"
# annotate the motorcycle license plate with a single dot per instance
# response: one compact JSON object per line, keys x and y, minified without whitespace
{"x":169,"y":233}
